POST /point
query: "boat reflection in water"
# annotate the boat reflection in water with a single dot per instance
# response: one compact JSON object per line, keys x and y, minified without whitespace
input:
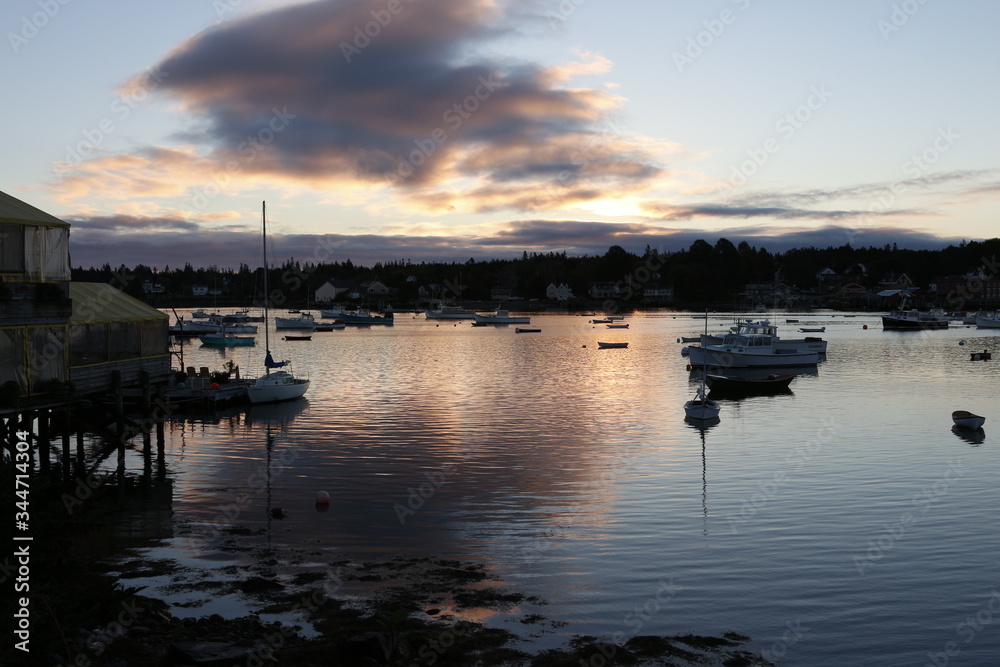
{"x":737,"y":383}
{"x":703,"y":426}
{"x":972,"y":436}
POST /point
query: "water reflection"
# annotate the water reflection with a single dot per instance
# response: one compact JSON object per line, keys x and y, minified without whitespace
{"x":971,"y":436}
{"x":703,"y":426}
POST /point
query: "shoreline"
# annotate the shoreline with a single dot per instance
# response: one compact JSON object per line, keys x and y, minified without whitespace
{"x":392,"y":611}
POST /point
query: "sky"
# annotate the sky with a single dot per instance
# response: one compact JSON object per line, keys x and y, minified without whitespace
{"x":441,"y":130}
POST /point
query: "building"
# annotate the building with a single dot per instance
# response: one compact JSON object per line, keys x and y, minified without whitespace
{"x":111,"y":331}
{"x":331,"y":289}
{"x":558,"y":292}
{"x":53,"y":331}
{"x":501,"y":293}
{"x":35,"y":302}
{"x":377,"y":289}
{"x":603,"y":291}
{"x":657,"y":294}
{"x":199,"y":290}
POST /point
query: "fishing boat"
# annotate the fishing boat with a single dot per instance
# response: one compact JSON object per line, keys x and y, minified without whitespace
{"x":300,"y":321}
{"x":751,"y":347}
{"x":605,"y":346}
{"x":616,"y":326}
{"x":988,"y":320}
{"x":766,"y":328}
{"x":500,"y":316}
{"x":601,"y":321}
{"x":365,"y":317}
{"x":443,"y":312}
{"x":274,"y":385}
{"x":965,"y":419}
{"x":910,"y":319}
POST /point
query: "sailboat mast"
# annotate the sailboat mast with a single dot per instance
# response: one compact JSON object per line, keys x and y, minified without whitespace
{"x":267,"y":293}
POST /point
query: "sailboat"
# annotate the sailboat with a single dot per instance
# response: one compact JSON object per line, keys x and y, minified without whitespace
{"x":274,"y":385}
{"x":701,"y":406}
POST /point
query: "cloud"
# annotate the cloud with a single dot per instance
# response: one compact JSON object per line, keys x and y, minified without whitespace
{"x":97,"y":241}
{"x":350,"y":93}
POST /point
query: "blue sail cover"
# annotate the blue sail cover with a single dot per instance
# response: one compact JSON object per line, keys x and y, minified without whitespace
{"x":269,"y":362}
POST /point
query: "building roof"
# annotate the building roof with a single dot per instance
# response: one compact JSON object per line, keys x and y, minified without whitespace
{"x":100,"y":302}
{"x":14,"y":210}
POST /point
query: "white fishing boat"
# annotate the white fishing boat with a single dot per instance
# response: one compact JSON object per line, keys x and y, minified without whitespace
{"x":300,"y":321}
{"x":765,"y":328}
{"x":754,"y":345}
{"x":500,"y":316}
{"x":274,"y":385}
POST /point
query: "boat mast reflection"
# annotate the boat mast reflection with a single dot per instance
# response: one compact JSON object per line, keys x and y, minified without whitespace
{"x":702,"y":426}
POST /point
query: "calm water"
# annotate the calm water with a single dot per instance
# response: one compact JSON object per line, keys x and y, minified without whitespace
{"x":844,"y":523}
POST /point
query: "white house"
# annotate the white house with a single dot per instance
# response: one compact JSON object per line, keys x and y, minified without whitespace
{"x":558,"y":293}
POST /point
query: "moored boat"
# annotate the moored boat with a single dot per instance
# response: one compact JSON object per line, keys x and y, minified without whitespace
{"x":525,"y":330}
{"x":764,"y":327}
{"x":226,"y":339}
{"x":604,"y":346}
{"x":275,"y":385}
{"x":753,"y":344}
{"x":988,"y":320}
{"x":365,"y":317}
{"x":965,"y":419}
{"x":500,"y":316}
{"x":735,"y":385}
{"x":449,"y":313}
{"x":300,"y":321}
{"x":910,"y":319}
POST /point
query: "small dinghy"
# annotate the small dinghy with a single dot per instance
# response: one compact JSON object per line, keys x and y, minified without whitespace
{"x":964,"y":419}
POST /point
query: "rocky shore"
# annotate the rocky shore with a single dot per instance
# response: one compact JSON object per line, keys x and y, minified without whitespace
{"x":400,"y":611}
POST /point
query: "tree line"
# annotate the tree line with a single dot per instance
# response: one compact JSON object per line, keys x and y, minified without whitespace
{"x":702,"y":273}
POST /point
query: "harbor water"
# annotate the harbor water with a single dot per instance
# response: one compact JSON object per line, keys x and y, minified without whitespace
{"x":843,"y":523}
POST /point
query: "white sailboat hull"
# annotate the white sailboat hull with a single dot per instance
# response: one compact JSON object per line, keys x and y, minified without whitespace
{"x":275,"y":387}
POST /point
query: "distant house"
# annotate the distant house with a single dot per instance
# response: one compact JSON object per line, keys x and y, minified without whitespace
{"x":827,"y":275}
{"x":501,"y":293}
{"x":376,"y":288}
{"x":199,"y":290}
{"x":657,"y":294}
{"x":768,"y":294}
{"x":149,"y":287}
{"x":603,"y":290}
{"x":558,"y":292}
{"x":332,"y":289}
{"x":896,"y":281}
{"x":853,"y":290}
